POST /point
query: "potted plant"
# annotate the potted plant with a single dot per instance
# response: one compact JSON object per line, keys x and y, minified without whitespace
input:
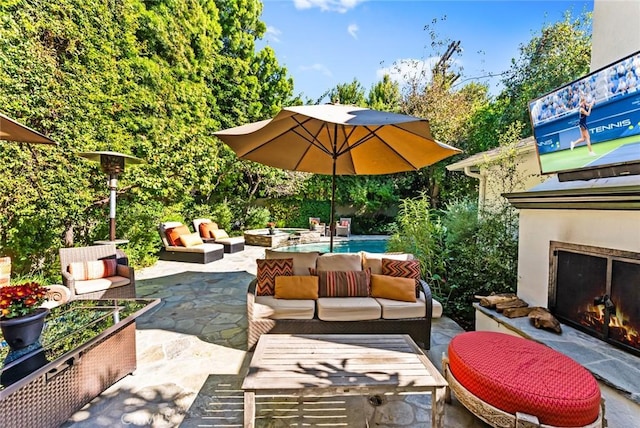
{"x":313,"y":224}
{"x":21,"y":314}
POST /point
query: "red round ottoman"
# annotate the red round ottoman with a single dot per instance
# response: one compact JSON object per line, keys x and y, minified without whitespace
{"x":519,"y":375}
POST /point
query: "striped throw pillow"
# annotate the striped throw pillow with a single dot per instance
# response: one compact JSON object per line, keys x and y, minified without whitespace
{"x":268,"y":269}
{"x":403,"y":269}
{"x":95,"y":269}
{"x":335,"y":283}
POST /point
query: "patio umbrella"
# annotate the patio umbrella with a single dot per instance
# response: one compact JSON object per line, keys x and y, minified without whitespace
{"x":112,"y":163}
{"x":336,"y":139}
{"x":11,"y":130}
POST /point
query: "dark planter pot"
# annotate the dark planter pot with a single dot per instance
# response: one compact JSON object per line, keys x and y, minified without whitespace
{"x":23,"y":331}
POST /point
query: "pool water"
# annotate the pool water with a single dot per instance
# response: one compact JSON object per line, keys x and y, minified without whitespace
{"x":351,"y":246}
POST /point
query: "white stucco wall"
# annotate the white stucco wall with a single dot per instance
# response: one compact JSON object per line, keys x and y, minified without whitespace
{"x":616,"y":31}
{"x":603,"y":228}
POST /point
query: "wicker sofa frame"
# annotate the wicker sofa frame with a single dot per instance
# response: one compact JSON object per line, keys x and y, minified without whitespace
{"x":418,"y":328}
{"x":98,"y":252}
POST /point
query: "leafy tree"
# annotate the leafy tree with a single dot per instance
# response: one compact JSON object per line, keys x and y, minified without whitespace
{"x":385,"y":95}
{"x":560,"y":53}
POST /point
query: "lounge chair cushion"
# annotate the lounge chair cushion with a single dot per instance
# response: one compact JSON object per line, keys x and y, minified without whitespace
{"x":296,"y":287}
{"x":397,"y":309}
{"x":374,"y":260}
{"x":268,"y":270}
{"x":394,"y":288}
{"x":339,"y":261}
{"x":270,"y":307}
{"x":348,"y":308}
{"x":301,"y":261}
{"x":173,"y":234}
{"x":343,"y":283}
{"x":191,"y":239}
{"x":94,"y":269}
{"x":92,"y":285}
{"x":202,"y":248}
{"x":219,"y":234}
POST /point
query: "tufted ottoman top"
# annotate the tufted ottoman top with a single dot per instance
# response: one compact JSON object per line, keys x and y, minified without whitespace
{"x":519,"y":375}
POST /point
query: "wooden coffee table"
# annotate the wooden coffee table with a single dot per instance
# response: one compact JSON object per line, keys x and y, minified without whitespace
{"x":335,"y":364}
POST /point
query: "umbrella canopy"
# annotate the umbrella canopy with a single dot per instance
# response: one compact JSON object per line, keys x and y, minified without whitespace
{"x":11,"y":130}
{"x":338,"y":140}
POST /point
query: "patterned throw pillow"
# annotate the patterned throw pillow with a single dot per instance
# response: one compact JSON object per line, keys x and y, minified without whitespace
{"x":173,"y":235}
{"x":404,"y":269}
{"x":343,"y":283}
{"x":267,"y":272}
{"x":82,"y":271}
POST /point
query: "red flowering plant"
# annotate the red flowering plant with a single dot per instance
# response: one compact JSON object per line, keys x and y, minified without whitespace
{"x":20,"y":300}
{"x":271,"y":224}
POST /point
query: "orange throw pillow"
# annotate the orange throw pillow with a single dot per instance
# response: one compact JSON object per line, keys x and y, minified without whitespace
{"x":173,"y":235}
{"x":393,"y":287}
{"x":206,"y":229}
{"x":297,"y":287}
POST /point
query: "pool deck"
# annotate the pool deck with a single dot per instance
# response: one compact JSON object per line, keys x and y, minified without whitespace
{"x":192,"y":358}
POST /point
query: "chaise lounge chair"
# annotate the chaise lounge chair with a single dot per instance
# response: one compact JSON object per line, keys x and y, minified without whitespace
{"x":181,"y":245}
{"x":209,"y":232}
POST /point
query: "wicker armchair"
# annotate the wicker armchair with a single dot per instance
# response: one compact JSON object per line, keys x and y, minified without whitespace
{"x":118,"y":286}
{"x":343,"y":227}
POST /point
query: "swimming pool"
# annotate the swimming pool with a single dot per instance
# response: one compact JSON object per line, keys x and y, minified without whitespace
{"x":350,"y":246}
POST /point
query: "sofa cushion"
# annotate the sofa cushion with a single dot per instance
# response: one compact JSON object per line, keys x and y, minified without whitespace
{"x":339,"y":261}
{"x":397,"y":309}
{"x":277,"y":309}
{"x":94,"y":269}
{"x":191,"y":240}
{"x":296,"y":287}
{"x":173,"y":234}
{"x":267,"y":272}
{"x":391,"y":287}
{"x":348,"y":308}
{"x":92,"y":285}
{"x":343,"y":283}
{"x":374,"y":260}
{"x":301,"y":261}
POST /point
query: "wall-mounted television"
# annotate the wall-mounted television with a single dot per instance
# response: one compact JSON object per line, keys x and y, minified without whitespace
{"x":600,"y":110}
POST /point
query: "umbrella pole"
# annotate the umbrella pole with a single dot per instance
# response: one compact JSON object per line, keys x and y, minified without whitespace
{"x":332,"y":226}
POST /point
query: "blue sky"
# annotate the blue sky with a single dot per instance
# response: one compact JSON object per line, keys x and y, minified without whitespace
{"x":327,"y":42}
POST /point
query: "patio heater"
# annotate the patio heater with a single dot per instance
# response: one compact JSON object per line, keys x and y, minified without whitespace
{"x":113,"y":164}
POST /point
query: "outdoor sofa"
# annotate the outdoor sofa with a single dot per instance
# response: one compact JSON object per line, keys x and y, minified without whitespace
{"x":181,"y":245}
{"x":357,"y":313}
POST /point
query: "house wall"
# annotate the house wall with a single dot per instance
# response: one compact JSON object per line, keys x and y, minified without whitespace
{"x":528,"y":171}
{"x":615,"y":31}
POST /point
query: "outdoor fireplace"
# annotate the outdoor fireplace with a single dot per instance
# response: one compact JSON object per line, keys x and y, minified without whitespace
{"x":597,"y":290}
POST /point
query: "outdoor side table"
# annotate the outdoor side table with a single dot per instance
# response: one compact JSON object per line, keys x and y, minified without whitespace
{"x":85,"y":347}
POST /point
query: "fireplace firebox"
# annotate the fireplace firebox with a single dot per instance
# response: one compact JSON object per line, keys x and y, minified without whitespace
{"x":597,"y":290}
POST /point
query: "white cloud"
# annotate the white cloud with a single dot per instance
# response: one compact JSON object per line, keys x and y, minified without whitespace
{"x":409,"y":71}
{"x":321,"y":68}
{"x":353,"y":30}
{"x":340,"y":6}
{"x":273,"y":34}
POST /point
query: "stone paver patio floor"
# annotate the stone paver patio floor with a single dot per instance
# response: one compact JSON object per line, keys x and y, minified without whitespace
{"x":192,"y":357}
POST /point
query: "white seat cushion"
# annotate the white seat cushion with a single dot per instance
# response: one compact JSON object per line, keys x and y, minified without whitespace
{"x":396,"y":309}
{"x":348,"y":308}
{"x":91,"y":285}
{"x":278,"y":309}
{"x":202,"y":248}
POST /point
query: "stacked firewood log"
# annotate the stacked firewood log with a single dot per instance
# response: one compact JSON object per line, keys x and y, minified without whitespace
{"x":511,"y":306}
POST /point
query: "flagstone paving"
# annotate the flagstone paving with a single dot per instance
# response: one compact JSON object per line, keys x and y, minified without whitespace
{"x":192,"y":355}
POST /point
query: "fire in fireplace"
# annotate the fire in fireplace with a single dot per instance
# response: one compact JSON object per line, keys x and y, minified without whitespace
{"x":597,"y":290}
